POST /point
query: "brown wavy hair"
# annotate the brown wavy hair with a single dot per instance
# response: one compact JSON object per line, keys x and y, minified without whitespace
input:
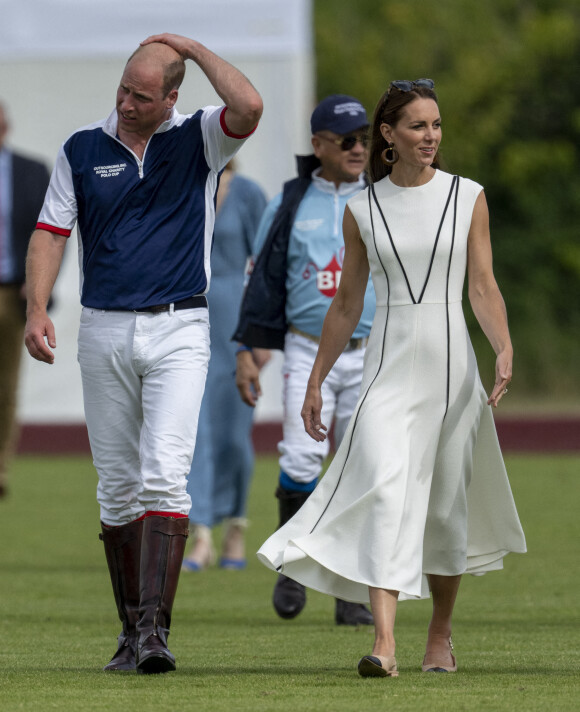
{"x":389,"y":111}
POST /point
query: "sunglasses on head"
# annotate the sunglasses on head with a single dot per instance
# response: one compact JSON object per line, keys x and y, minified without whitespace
{"x":406,"y":85}
{"x":347,"y":143}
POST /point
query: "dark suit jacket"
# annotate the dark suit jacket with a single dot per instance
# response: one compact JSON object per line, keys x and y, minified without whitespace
{"x":29,"y":183}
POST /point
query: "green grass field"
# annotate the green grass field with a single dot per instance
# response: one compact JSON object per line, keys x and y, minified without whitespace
{"x":516,"y":632}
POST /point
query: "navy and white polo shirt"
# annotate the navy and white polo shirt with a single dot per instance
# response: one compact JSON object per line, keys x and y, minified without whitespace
{"x":145,"y":227}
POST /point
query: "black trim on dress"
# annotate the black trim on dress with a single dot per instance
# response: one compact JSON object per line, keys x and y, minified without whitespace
{"x":417,"y":301}
{"x":455,"y":182}
{"x":447,"y":294}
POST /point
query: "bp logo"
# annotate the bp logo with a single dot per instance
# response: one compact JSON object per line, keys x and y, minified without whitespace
{"x":327,"y":278}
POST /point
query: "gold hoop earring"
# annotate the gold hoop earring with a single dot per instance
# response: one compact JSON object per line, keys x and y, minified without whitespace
{"x":390,"y":155}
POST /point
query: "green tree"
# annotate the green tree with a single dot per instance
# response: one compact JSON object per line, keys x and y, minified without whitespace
{"x":507,"y":74}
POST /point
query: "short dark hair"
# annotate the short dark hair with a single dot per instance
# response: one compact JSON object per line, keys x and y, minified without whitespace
{"x":389,"y":111}
{"x":173,"y":72}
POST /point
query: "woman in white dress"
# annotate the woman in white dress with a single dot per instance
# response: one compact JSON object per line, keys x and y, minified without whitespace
{"x":417,"y":494}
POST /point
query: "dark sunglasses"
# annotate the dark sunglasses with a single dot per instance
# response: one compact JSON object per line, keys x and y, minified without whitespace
{"x":406,"y":85}
{"x":347,"y":143}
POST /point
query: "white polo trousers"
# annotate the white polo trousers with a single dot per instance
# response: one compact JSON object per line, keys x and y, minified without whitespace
{"x":301,"y":457}
{"x":143,"y":378}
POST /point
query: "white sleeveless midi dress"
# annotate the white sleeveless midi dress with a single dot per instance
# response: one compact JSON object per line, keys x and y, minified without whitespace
{"x":418,"y":484}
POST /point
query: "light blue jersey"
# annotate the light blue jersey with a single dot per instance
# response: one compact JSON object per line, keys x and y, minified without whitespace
{"x":315,"y":255}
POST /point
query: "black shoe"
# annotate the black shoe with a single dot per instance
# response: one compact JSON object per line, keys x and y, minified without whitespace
{"x":352,"y":614}
{"x":154,"y":657}
{"x":289,"y":597}
{"x":124,"y":658}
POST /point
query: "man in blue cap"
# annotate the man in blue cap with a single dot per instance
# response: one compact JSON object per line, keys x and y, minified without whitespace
{"x":300,"y":248}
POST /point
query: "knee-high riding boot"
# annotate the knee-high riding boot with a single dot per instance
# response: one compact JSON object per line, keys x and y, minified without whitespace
{"x":123,"y":552}
{"x":161,"y":558}
{"x":289,"y":596}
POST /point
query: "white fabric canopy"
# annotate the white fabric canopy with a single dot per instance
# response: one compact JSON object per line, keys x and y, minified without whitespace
{"x":67,"y":28}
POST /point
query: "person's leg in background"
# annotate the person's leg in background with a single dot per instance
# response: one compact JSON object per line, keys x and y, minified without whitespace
{"x":301,"y":458}
{"x":344,"y":380}
{"x":200,"y":485}
{"x":233,"y":468}
{"x":230,"y":418}
{"x":223,"y":461}
{"x":12,"y":330}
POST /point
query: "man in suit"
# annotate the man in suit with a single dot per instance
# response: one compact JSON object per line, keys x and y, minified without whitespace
{"x":23,"y":183}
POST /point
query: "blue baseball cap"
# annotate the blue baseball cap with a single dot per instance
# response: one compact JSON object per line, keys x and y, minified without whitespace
{"x":339,"y":113}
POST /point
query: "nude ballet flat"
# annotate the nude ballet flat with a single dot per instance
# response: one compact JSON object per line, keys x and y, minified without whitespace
{"x":377,"y":666}
{"x":435,"y":667}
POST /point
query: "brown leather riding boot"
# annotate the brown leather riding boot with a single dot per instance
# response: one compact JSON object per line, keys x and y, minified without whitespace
{"x":123,"y":552}
{"x":161,"y":557}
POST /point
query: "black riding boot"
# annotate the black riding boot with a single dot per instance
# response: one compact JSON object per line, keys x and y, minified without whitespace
{"x":289,"y":596}
{"x":123,"y":552}
{"x":161,"y":558}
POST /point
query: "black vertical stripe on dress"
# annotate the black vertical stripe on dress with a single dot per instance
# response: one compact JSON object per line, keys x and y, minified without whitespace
{"x":455,"y":178}
{"x":372,"y":188}
{"x":447,"y":297}
{"x":417,"y":301}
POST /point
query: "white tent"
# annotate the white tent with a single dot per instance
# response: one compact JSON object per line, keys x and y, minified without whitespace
{"x":60,"y":63}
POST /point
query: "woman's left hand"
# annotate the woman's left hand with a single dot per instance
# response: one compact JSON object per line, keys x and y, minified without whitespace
{"x":503,"y":376}
{"x":311,"y":414}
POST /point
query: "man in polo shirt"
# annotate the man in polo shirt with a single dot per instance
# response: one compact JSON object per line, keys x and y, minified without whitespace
{"x":299,"y":248}
{"x":140,"y":185}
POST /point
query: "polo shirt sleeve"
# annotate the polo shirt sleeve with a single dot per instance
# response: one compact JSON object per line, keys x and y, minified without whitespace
{"x":59,"y":212}
{"x":221,"y":145}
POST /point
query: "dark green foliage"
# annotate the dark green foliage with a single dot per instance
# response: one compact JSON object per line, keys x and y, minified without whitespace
{"x":507,"y":75}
